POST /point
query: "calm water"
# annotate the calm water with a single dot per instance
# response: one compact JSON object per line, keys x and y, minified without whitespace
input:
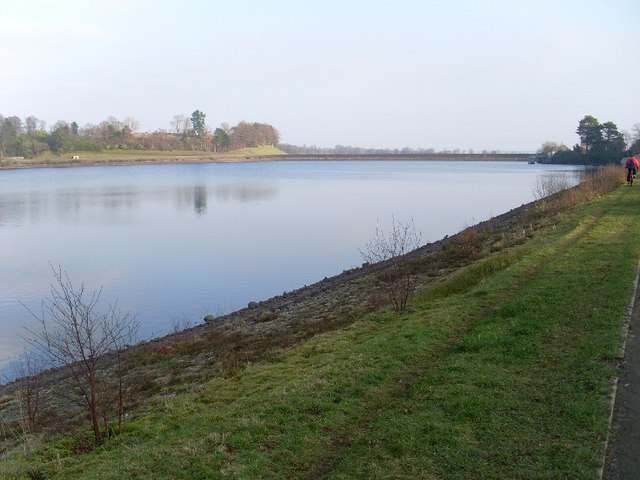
{"x":172,"y":243}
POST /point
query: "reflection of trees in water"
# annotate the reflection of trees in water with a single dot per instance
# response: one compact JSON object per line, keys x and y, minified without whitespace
{"x":14,"y":208}
{"x":77,"y":204}
{"x":191,"y":197}
{"x":245,"y":192}
{"x":7,"y":211}
{"x":69,"y":204}
{"x":121,"y":197}
{"x":200,"y":199}
{"x":196,"y":197}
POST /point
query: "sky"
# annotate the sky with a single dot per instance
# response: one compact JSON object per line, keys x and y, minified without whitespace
{"x":457,"y":74}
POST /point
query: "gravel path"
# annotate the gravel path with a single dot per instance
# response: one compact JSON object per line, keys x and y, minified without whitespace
{"x":622,"y":457}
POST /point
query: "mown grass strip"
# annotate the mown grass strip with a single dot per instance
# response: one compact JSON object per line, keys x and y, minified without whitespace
{"x":523,"y":395}
{"x":501,"y":373}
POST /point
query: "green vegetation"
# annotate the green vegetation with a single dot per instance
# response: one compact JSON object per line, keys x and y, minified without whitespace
{"x":139,"y":156}
{"x":132,"y":155}
{"x":600,"y":144}
{"x":29,"y":138}
{"x":500,"y":369}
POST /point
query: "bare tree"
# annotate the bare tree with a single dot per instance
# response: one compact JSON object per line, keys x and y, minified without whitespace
{"x":31,"y":124}
{"x":180,"y":124}
{"x":75,"y":336}
{"x":123,"y":388}
{"x":131,"y":123}
{"x":28,"y":368}
{"x":633,"y":139}
{"x":550,"y":184}
{"x":26,"y":375}
{"x":396,"y":280}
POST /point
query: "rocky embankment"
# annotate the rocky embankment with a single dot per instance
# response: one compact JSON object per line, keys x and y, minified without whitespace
{"x":338,"y":300}
{"x":260,"y":330}
{"x":357,"y":290}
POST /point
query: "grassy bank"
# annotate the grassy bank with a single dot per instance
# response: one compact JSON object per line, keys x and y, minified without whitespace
{"x":137,"y":156}
{"x":501,"y":369}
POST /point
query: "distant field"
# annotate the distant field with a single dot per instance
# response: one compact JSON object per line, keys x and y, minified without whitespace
{"x":136,"y":156}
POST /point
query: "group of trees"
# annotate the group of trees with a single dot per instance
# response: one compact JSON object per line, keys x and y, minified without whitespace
{"x":599,"y":144}
{"x":30,"y":137}
{"x":192,"y":133}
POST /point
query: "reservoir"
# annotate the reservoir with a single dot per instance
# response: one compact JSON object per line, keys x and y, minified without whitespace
{"x":173,"y":243}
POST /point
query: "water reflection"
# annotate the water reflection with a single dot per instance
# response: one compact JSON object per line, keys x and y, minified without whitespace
{"x":246,"y":193}
{"x":117,"y":203}
{"x":200,"y":199}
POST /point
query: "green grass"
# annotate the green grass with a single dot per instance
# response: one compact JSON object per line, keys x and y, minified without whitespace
{"x":502,"y":370}
{"x":257,"y":151}
{"x":134,"y":155}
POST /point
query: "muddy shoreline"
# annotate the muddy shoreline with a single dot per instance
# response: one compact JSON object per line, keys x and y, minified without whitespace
{"x":89,"y":161}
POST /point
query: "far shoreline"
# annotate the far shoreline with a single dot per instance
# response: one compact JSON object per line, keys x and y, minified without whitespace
{"x":139,"y":158}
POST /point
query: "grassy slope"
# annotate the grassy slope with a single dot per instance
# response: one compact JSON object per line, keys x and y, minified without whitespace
{"x":501,"y":371}
{"x":132,"y":156}
{"x":263,"y":150}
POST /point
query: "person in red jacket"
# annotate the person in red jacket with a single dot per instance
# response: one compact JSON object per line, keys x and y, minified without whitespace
{"x":632,"y":165}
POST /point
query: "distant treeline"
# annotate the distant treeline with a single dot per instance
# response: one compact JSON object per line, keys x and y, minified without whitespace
{"x":30,"y":138}
{"x":451,"y":157}
{"x":349,"y":150}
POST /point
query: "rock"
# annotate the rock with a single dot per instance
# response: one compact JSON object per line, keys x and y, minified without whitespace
{"x":252,"y":305}
{"x":209,"y":319}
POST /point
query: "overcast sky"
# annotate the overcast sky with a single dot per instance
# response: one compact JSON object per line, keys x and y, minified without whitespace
{"x":470,"y":74}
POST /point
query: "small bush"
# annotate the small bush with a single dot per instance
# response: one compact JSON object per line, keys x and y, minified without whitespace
{"x":266,"y":316}
{"x":602,"y":180}
{"x":467,"y":242}
{"x":396,"y":280}
{"x":550,"y":184}
{"x":376,"y":301}
{"x":398,"y":284}
{"x":402,"y":239}
{"x":36,"y":475}
{"x":81,"y":442}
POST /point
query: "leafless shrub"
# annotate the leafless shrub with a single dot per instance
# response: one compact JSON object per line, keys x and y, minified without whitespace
{"x":593,"y":183}
{"x":467,"y":242}
{"x":396,"y":280}
{"x":178,"y":326}
{"x":599,"y":181}
{"x":550,"y":184}
{"x":266,"y":315}
{"x":75,"y":336}
{"x":29,"y":387}
{"x":402,"y":239}
{"x":398,"y":284}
